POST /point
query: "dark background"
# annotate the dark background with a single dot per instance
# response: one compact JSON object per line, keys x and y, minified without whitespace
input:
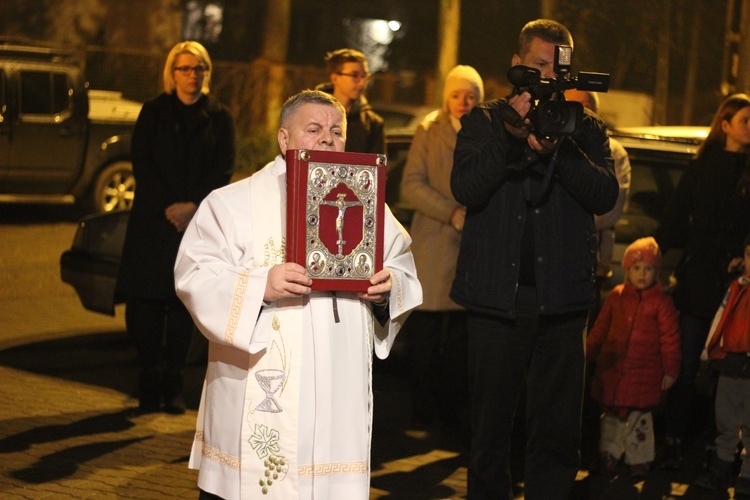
{"x":613,"y":37}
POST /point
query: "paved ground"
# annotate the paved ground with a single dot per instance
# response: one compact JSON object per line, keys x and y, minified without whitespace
{"x":68,"y":428}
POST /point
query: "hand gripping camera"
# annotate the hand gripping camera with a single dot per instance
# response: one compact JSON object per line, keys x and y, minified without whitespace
{"x":551,"y":115}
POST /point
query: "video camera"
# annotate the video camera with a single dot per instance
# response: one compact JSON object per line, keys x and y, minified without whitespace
{"x":551,"y":115}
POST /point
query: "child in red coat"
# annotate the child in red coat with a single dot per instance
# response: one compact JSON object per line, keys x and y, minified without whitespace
{"x":728,"y":348}
{"x":635,"y":343}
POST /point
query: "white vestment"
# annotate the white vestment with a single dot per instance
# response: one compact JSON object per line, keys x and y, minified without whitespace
{"x":314,"y":372}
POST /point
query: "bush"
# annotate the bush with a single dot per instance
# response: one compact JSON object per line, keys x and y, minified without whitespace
{"x":253,"y":152}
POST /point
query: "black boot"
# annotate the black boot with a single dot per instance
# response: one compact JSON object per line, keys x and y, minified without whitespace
{"x":174,"y":403}
{"x":672,"y":458}
{"x":716,"y":476}
{"x":149,"y":390}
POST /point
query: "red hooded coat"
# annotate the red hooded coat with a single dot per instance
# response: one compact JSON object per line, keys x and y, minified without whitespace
{"x":635,"y":342}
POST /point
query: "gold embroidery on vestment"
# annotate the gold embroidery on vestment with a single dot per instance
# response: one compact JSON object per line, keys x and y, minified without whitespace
{"x":399,"y":293}
{"x":235,"y":310}
{"x":333,"y":468}
{"x":280,"y":347}
{"x":272,"y":255}
{"x":219,"y":456}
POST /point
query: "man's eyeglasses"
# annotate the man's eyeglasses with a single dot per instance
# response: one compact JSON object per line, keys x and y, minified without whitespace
{"x":186,"y":70}
{"x":356,"y":76}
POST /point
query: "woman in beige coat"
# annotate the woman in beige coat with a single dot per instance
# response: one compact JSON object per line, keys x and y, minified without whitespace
{"x":436,"y":332}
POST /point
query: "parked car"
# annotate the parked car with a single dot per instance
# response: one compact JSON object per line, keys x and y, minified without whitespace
{"x":401,"y":119}
{"x":658,"y":156}
{"x":397,"y":146}
{"x":59,"y":141}
{"x":92,"y":263}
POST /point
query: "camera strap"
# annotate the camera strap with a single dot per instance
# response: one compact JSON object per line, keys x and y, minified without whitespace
{"x":510,"y":115}
{"x":546,"y":181}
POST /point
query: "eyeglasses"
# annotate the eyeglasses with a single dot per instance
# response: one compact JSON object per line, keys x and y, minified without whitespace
{"x":356,"y":76}
{"x":186,"y":70}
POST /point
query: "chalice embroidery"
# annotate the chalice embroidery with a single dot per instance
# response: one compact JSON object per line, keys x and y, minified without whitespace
{"x":270,"y":381}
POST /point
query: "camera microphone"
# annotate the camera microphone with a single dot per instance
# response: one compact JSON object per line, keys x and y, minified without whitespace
{"x":524,"y":76}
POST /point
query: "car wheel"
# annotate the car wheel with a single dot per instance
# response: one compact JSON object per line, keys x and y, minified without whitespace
{"x":114,"y":188}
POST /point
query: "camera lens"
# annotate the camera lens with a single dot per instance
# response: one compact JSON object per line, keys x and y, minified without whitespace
{"x":559,"y":117}
{"x":554,"y":117}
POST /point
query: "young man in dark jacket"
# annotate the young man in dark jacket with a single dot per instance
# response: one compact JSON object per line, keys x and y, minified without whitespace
{"x":526,"y":275}
{"x":349,"y":73}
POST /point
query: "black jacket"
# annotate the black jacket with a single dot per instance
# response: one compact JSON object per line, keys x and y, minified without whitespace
{"x":489,"y":176}
{"x":180,"y":154}
{"x":709,"y":214}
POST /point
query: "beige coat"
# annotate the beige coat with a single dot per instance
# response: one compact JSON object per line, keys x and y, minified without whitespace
{"x":426,"y":186}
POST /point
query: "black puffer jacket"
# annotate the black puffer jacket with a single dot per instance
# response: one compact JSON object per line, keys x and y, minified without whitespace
{"x":488,"y":177}
{"x":709,"y":213}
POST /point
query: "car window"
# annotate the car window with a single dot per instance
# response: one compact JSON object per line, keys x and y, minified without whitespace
{"x":60,"y":93}
{"x":655,"y":175}
{"x":43,"y":93}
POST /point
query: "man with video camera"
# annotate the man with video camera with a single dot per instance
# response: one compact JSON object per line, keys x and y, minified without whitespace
{"x":525,"y":272}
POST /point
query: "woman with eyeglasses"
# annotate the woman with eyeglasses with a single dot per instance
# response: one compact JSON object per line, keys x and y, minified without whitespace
{"x":182,"y":149}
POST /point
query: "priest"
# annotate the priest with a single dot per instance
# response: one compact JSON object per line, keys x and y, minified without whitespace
{"x":286,"y":409}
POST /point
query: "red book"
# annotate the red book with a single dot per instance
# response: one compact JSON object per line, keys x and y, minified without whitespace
{"x":335,"y":210}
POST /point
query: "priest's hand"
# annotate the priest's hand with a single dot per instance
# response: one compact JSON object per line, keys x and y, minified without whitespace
{"x":285,"y":281}
{"x":380,"y":290}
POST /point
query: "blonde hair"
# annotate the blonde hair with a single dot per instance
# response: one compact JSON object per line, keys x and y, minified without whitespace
{"x":198,"y":51}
